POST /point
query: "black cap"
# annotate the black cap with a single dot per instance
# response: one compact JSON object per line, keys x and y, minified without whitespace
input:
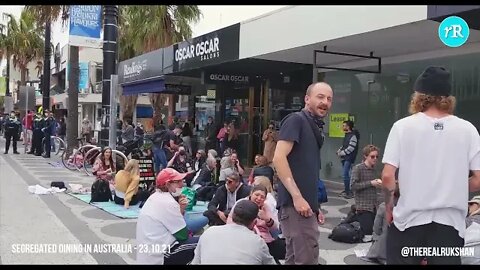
{"x":434,"y":81}
{"x":246,"y":210}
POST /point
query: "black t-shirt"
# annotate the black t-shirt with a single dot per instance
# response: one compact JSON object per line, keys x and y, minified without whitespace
{"x":304,"y":160}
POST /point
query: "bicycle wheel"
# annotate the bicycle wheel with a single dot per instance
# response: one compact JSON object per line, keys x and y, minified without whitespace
{"x":59,"y":145}
{"x":69,"y":160}
{"x":82,"y":151}
{"x":89,"y":160}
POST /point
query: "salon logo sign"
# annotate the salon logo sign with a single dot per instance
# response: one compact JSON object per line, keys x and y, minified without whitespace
{"x":203,"y":50}
{"x":453,"y":31}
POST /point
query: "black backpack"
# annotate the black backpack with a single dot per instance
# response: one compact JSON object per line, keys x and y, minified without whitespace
{"x":101,"y":191}
{"x":347,"y":233}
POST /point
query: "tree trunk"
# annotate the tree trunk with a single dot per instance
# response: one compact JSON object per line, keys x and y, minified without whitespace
{"x":72,"y":119}
{"x":23,"y":76}
{"x":157,"y":101}
{"x":127,"y":106}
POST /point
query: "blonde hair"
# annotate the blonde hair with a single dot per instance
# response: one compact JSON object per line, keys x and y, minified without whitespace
{"x":263,"y":181}
{"x":421,"y":102}
{"x":132,"y":167}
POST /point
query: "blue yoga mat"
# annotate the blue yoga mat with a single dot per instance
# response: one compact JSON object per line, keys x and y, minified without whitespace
{"x":133,"y":211}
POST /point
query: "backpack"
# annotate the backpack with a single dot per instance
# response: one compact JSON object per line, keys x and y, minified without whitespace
{"x":347,"y":233}
{"x":101,"y":191}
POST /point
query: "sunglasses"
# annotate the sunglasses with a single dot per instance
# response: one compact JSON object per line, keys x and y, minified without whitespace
{"x":373,"y":157}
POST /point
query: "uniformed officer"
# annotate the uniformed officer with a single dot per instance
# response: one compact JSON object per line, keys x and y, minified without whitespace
{"x":38,"y":125}
{"x":48,"y":131}
{"x":12,"y":126}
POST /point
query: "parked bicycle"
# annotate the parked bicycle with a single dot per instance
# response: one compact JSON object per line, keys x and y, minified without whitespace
{"x":119,"y":158}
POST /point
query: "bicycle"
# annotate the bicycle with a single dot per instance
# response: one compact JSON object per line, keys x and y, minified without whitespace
{"x":119,"y":158}
{"x":58,"y":144}
{"x":75,"y":160}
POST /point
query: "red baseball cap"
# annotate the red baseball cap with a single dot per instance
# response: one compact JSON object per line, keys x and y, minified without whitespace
{"x":168,"y":174}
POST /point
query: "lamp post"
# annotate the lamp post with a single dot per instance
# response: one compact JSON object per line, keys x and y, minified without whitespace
{"x":46,"y":67}
{"x":110,"y":34}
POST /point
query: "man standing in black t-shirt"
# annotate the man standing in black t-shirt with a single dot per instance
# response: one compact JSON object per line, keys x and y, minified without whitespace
{"x":298,"y":166}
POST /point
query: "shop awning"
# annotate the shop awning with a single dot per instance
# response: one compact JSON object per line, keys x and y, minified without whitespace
{"x":153,"y":86}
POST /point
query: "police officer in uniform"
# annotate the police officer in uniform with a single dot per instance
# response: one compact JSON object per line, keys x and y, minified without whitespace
{"x":48,"y":130}
{"x":12,"y":126}
{"x":38,"y":125}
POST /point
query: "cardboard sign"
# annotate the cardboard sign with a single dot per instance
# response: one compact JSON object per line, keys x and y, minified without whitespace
{"x":146,"y":169}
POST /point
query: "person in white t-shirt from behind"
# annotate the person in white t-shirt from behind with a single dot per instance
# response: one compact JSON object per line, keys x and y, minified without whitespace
{"x":433,"y":151}
{"x":162,"y":234}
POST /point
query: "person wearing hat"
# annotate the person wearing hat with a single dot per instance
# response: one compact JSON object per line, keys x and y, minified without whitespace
{"x":236,"y":242}
{"x":433,"y":151}
{"x":472,"y":233}
{"x":12,"y":126}
{"x":162,"y":234}
{"x":37,"y":137}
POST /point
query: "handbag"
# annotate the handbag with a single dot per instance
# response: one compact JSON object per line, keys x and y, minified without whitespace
{"x":322,"y":192}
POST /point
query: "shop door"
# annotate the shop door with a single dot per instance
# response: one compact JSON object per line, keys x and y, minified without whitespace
{"x":239,"y":111}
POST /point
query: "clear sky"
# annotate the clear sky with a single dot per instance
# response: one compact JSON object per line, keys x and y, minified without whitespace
{"x":214,"y":17}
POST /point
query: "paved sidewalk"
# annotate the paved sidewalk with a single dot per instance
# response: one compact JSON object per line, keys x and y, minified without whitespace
{"x":60,"y":218}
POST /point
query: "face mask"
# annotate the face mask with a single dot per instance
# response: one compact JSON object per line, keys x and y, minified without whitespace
{"x":178,"y":192}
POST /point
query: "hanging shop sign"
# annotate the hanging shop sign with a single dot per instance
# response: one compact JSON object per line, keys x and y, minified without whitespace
{"x":210,"y":49}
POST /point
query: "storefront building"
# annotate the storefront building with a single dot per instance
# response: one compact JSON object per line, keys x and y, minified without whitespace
{"x":261,"y":73}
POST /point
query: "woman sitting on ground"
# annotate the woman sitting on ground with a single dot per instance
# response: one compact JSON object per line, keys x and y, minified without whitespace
{"x":104,"y":168}
{"x":161,"y":222}
{"x":270,"y":199}
{"x":126,"y":185}
{"x":267,"y":222}
{"x":261,"y":169}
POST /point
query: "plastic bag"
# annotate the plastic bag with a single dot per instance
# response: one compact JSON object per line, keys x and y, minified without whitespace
{"x":191,"y":195}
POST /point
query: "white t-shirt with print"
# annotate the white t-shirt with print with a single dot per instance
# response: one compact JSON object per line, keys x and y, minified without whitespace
{"x":158,"y":220}
{"x":434,"y":157}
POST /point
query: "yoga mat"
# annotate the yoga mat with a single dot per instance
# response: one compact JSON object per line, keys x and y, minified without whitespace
{"x":119,"y":211}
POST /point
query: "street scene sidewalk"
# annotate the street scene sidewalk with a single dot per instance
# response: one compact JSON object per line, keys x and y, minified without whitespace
{"x":62,"y":219}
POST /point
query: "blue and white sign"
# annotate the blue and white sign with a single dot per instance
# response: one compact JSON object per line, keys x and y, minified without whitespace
{"x":85,"y":26}
{"x":453,"y":31}
{"x":83,"y":80}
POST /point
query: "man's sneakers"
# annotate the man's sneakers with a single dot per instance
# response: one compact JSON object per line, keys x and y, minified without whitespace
{"x":17,"y":153}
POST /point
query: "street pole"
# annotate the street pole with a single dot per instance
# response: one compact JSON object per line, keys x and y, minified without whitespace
{"x":110,"y":34}
{"x":113,"y":112}
{"x":46,"y":68}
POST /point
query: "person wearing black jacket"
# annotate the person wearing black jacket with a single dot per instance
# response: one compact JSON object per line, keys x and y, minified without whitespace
{"x":224,"y":200}
{"x":210,"y":135}
{"x":203,"y":182}
{"x":48,"y":131}
{"x":38,"y":125}
{"x":12,"y":126}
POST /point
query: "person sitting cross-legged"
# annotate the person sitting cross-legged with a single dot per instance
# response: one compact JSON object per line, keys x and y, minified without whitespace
{"x":224,"y":199}
{"x":234,"y":243}
{"x":126,"y":185}
{"x":267,"y":222}
{"x":161,"y":223}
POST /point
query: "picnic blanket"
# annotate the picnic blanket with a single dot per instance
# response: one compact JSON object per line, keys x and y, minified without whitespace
{"x":133,"y":211}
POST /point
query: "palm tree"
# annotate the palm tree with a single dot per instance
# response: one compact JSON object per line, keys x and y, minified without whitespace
{"x":46,"y":15}
{"x":25,"y":42}
{"x":148,"y":28}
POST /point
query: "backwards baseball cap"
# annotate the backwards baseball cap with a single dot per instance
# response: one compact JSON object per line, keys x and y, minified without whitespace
{"x":168,"y":174}
{"x":475,"y":199}
{"x":434,"y":81}
{"x":246,"y":210}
